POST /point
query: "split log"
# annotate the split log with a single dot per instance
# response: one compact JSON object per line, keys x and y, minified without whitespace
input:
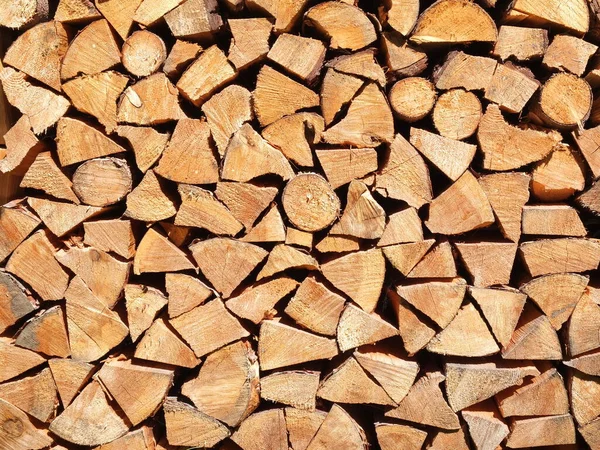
{"x":149,"y":201}
{"x":161,"y":344}
{"x":414,"y":333}
{"x":208,"y":327}
{"x":249,"y":156}
{"x":488,"y":263}
{"x":521,"y":43}
{"x":460,"y":208}
{"x":90,"y":419}
{"x":38,"y":52}
{"x":70,"y":376}
{"x":227,"y":385}
{"x":94,"y":329}
{"x":487,"y":430}
{"x":205,"y":75}
{"x":246,"y":201}
{"x":284,"y":257}
{"x":22,"y":147}
{"x":38,"y":251}
{"x":511,"y":87}
{"x":437,"y":263}
{"x":15,"y":303}
{"x":337,"y":90}
{"x":153,"y":100}
{"x":506,"y":147}
{"x":303,"y":347}
{"x":524,"y":401}
{"x":457,"y":114}
{"x":36,"y":395}
{"x":468,"y":384}
{"x":583,"y":390}
{"x":59,"y":217}
{"x":588,"y":364}
{"x":257,"y":302}
{"x":226,"y":262}
{"x":250,"y":41}
{"x":342,"y":166}
{"x":298,"y":238}
{"x":46,"y":333}
{"x":194,"y":19}
{"x":466,"y":335}
{"x":450,"y":439}
{"x":262,"y":430}
{"x":92,"y":51}
{"x":425,"y":404}
{"x":507,"y":194}
{"x":76,"y":11}
{"x":16,"y":223}
{"x":151,"y":11}
{"x":349,"y":383}
{"x":42,"y":106}
{"x":575,"y":18}
{"x":180,"y":56}
{"x":461,"y":70}
{"x":404,"y":175}
{"x":368,"y":123}
{"x":357,"y":328}
{"x":302,"y":426}
{"x":548,"y":256}
{"x":188,"y":157}
{"x":403,"y":59}
{"x":552,"y":430}
{"x":534,"y":338}
{"x":139,"y":390}
{"x":287,"y":46}
{"x":501,"y":309}
{"x":556,"y":220}
{"x":185,"y":293}
{"x":147,"y":143}
{"x":583,"y":324}
{"x":226,"y":112}
{"x":294,"y":388}
{"x":569,"y":53}
{"x":140,"y":439}
{"x":400,"y":15}
{"x":448,"y":155}
{"x":23,"y":15}
{"x":294,"y":135}
{"x":20,"y":433}
{"x":347,"y":27}
{"x":97,"y":95}
{"x":111,"y":236}
{"x":402,"y":226}
{"x":361,"y":64}
{"x":186,"y":426}
{"x":404,"y":257}
{"x":155,"y":253}
{"x":286,"y":14}
{"x":559,"y":176}
{"x":412,"y":98}
{"x":401,"y":437}
{"x":590,"y":433}
{"x":142,"y":303}
{"x":586,"y":142}
{"x":470,"y":23}
{"x":439,"y":300}
{"x":363,"y":217}
{"x":119,"y":15}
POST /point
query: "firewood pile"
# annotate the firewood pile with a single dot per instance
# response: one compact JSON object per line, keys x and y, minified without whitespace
{"x":299,"y":224}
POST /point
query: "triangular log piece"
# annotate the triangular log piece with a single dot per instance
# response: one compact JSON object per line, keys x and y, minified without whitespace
{"x":83,"y":425}
{"x":552,"y":220}
{"x":186,"y":426}
{"x":250,"y":41}
{"x":113,"y":235}
{"x":303,"y":346}
{"x":584,"y":325}
{"x":36,"y":395}
{"x":15,"y":302}
{"x":414,"y":333}
{"x":265,"y":430}
{"x":26,"y":436}
{"x":46,"y":333}
{"x":185,"y":293}
{"x":437,"y":263}
{"x":226,"y":262}
{"x":147,"y":144}
{"x":258,"y":302}
{"x":295,"y":388}
{"x":284,"y":257}
{"x":558,"y":176}
{"x":149,"y":201}
{"x":16,"y":223}
{"x":302,"y":426}
{"x":208,"y":327}
{"x":357,"y":327}
{"x":161,"y":344}
{"x":534,"y":338}
{"x":549,"y":256}
{"x":584,"y":392}
{"x":425,"y":404}
{"x":486,"y":428}
{"x":143,"y":304}
{"x":540,"y":431}
{"x":155,"y":253}
{"x":467,"y":335}
{"x":439,"y":300}
{"x":366,"y":282}
{"x":489,"y":263}
{"x":467,"y":384}
{"x":69,"y":376}
{"x":227,"y":385}
{"x":402,"y":227}
{"x":338,"y":429}
{"x":269,"y":229}
{"x":395,"y":375}
{"x":139,"y":390}
{"x":399,"y":437}
{"x":501,"y":309}
{"x":405,"y":257}
{"x":246,"y":201}
{"x":556,"y":295}
{"x":545,"y":395}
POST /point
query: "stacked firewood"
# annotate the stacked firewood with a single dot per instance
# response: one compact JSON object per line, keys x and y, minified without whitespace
{"x":300,"y":224}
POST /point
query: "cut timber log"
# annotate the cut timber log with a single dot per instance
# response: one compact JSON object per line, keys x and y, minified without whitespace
{"x":552,"y":220}
{"x":76,"y":11}
{"x":102,"y":182}
{"x":399,"y":437}
{"x":461,"y":70}
{"x":160,"y":344}
{"x":142,"y":303}
{"x":534,"y":338}
{"x":457,"y":114}
{"x":250,"y":41}
{"x":310,"y":203}
{"x":363,"y":217}
{"x":155,"y":253}
{"x":36,"y":395}
{"x":284,"y":52}
{"x":511,"y":87}
{"x":24,"y":14}
{"x":487,"y":430}
{"x":470,"y":23}
{"x":180,"y":56}
{"x":69,"y":376}
{"x":23,"y":435}
{"x":412,"y":98}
